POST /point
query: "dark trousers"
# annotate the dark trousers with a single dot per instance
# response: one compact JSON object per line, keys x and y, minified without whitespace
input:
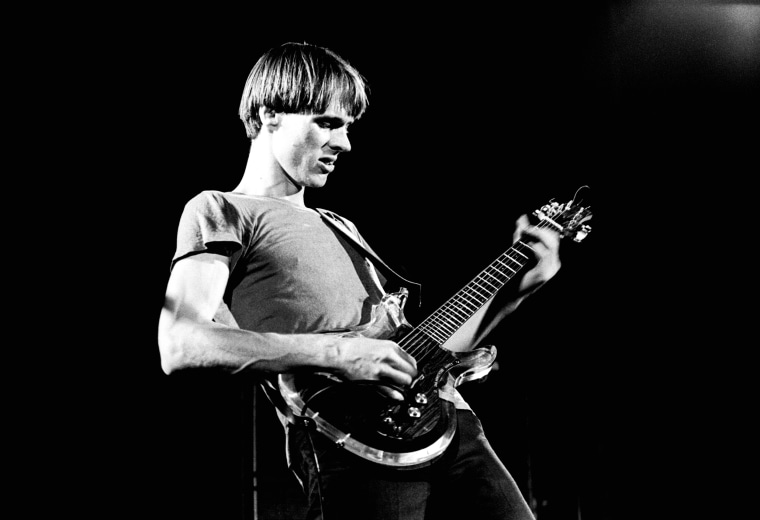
{"x":468,"y":481}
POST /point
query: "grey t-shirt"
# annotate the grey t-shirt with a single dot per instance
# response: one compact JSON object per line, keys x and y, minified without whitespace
{"x":289,"y":271}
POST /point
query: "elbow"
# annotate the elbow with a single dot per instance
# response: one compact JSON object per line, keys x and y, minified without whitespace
{"x":172,"y":351}
{"x":171,"y":356}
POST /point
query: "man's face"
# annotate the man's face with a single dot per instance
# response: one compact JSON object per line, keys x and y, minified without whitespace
{"x":306,"y":146}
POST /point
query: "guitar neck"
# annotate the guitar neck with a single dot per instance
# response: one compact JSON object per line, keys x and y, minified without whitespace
{"x":453,"y":314}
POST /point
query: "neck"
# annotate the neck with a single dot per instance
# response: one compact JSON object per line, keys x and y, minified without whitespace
{"x":263,"y":177}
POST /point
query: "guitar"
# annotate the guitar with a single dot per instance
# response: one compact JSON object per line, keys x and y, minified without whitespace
{"x":360,"y":417}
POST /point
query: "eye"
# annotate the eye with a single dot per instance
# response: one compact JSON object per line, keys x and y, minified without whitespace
{"x":330,"y":125}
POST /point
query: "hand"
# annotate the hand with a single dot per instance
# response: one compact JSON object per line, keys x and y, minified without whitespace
{"x":361,"y":358}
{"x":545,"y":245}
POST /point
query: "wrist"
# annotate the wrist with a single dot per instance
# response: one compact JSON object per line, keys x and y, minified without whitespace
{"x":328,"y":347}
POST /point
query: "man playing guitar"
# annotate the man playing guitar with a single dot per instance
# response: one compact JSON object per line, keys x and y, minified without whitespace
{"x":263,"y":284}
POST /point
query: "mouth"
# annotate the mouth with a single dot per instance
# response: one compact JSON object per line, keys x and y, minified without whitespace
{"x":327,"y":163}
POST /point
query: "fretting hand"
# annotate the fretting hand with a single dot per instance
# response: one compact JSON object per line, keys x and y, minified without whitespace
{"x":544,"y":243}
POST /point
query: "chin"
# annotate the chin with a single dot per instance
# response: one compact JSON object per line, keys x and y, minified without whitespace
{"x":317,"y":182}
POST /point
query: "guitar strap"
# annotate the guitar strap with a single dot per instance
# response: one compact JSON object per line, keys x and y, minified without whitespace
{"x":334,"y":221}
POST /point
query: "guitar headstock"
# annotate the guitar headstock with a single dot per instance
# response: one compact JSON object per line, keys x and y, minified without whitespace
{"x":567,"y":219}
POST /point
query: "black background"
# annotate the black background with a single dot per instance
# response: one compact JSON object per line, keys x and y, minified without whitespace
{"x":476,"y":116}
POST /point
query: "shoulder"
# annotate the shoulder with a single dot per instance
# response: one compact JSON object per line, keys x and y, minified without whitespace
{"x":213,"y":202}
{"x":208,"y":198}
{"x":212,"y":209}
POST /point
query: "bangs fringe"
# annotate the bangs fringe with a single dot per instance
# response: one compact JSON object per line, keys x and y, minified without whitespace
{"x":302,"y":78}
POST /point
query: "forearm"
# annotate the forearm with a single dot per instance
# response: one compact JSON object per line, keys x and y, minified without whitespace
{"x":493,"y":316}
{"x":482,"y":323}
{"x":488,"y":317}
{"x":187,"y":344}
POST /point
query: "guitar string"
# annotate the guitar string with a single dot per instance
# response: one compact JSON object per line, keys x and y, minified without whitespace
{"x":468,"y":300}
{"x":415,"y":342}
{"x":448,"y":318}
{"x":471,"y":301}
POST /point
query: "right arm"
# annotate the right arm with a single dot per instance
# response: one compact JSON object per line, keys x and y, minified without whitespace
{"x":189,"y":338}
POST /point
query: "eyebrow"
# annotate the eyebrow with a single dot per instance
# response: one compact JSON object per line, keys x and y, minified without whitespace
{"x":329,"y":118}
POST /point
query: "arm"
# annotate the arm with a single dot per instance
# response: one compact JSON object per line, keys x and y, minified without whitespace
{"x":545,"y":245}
{"x":188,"y":338}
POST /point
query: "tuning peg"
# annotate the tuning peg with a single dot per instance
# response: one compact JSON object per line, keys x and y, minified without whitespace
{"x":582,"y":233}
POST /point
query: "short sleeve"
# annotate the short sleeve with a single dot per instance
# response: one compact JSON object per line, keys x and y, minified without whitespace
{"x":209,"y":223}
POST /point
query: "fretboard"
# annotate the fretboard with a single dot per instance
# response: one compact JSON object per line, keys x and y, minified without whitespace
{"x":450,"y":316}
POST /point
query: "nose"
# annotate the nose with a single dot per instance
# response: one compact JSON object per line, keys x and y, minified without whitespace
{"x":339,"y":140}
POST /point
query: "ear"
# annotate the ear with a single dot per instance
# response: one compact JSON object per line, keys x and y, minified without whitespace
{"x":269,"y":118}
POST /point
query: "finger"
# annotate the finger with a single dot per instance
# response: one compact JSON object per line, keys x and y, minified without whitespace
{"x":398,"y":377}
{"x":406,"y":357}
{"x":402,"y":365}
{"x":549,"y":237}
{"x":521,"y":224}
{"x":390,"y":392}
{"x":540,"y":251}
{"x":400,"y":358}
{"x":545,"y":236}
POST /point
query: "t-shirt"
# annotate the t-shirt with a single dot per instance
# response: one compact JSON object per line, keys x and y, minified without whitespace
{"x":290,"y":272}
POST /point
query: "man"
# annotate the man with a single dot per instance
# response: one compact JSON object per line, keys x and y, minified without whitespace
{"x":258,"y":277}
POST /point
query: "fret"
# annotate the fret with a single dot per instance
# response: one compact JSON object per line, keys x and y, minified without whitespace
{"x":492,"y":290}
{"x":449,"y":325}
{"x":499,"y":283}
{"x":469,"y":301}
{"x":455,"y":313}
{"x":514,"y":271}
{"x":524,"y":245}
{"x":516,"y":251}
{"x":514,"y":263}
{"x":446,"y":326}
{"x":472,"y":289}
{"x":435,"y":334}
{"x":465,"y":300}
{"x":495,"y":271}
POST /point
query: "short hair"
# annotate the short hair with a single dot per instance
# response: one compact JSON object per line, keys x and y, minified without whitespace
{"x":300,"y":78}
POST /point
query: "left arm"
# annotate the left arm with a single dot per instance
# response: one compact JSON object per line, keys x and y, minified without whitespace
{"x":545,"y":245}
